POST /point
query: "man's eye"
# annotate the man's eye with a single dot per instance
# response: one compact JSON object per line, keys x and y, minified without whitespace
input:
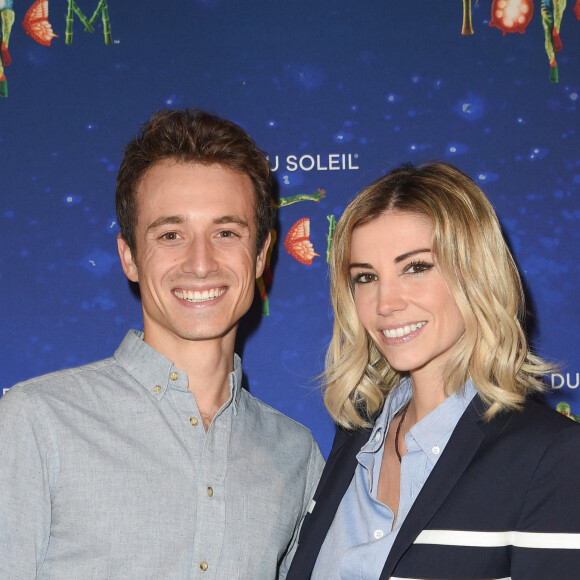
{"x":227,"y":234}
{"x":169,"y":236}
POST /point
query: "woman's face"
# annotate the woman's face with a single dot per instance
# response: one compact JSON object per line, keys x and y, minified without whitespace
{"x":400,"y":294}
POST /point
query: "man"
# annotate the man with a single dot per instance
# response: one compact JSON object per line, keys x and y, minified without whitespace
{"x":155,"y":463}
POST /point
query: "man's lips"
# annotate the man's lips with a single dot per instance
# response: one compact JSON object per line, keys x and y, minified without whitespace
{"x":403,"y":332}
{"x":199,"y":295}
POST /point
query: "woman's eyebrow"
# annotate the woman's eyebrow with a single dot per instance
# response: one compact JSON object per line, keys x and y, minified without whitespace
{"x":411,"y":253}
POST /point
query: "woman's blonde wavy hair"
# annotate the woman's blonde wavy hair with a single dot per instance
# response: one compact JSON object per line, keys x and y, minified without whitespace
{"x":482,"y":278}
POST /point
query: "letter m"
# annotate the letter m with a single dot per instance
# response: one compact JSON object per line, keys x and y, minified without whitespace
{"x":101,"y":8}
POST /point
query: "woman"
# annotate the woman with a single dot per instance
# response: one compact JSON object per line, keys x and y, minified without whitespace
{"x":442,"y":466}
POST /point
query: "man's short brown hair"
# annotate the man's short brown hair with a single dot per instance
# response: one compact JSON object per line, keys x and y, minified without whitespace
{"x":192,"y":136}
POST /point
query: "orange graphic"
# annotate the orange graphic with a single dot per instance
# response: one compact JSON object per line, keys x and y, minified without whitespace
{"x":36,"y":23}
{"x":298,"y":244}
{"x":511,"y":15}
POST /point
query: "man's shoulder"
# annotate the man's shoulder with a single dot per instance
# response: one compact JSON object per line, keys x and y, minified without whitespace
{"x":60,"y":378}
{"x":275,"y":419}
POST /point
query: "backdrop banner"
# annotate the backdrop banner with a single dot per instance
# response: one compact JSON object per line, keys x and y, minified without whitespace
{"x":336,"y":93}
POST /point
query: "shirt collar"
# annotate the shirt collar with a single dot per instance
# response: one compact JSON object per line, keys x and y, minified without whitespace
{"x":156,"y":373}
{"x":396,"y":399}
{"x":435,"y":429}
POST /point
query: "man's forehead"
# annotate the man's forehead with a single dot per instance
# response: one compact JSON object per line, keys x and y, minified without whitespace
{"x":168,"y":163}
{"x":174,"y":192}
{"x":199,"y":177}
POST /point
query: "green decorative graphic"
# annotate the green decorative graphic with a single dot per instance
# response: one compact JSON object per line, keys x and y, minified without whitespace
{"x":101,"y":8}
{"x":316,"y":196}
{"x":552,"y":12}
{"x":467,"y":27}
{"x":7,"y":16}
{"x":331,"y":227}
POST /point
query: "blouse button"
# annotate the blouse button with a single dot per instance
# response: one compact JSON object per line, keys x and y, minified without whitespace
{"x":193,"y":421}
{"x":156,"y":388}
{"x":173,"y":375}
{"x":203,"y":566}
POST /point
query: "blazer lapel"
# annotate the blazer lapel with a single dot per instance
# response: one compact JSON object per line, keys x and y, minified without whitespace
{"x":459,"y":451}
{"x":334,"y":482}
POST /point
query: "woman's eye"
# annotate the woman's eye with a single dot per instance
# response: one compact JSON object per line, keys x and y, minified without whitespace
{"x":418,"y":267}
{"x":364,"y":278}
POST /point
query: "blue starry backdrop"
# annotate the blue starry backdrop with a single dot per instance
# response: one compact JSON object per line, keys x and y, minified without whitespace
{"x":337,"y":93}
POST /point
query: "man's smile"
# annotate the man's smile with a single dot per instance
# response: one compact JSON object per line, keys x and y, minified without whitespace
{"x":199,"y":296}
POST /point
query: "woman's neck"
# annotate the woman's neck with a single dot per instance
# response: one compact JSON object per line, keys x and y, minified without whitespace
{"x":424,"y":399}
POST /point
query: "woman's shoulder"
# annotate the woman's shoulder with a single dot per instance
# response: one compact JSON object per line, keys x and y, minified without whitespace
{"x":546,"y":417}
{"x":537,"y":424}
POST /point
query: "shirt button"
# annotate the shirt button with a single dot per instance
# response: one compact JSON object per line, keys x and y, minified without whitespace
{"x":203,"y":566}
{"x":436,"y":450}
{"x":378,"y":436}
{"x":193,"y":421}
{"x":210,"y":491}
{"x":378,"y":534}
{"x":156,"y":388}
{"x":173,"y":375}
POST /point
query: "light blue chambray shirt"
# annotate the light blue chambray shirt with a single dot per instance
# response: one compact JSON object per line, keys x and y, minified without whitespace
{"x":362,"y":534}
{"x":106,"y":472}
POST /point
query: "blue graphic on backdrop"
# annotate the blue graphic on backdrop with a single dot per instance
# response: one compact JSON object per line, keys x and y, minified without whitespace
{"x":337,"y":96}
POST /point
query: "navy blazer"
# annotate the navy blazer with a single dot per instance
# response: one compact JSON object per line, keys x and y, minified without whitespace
{"x":501,"y":502}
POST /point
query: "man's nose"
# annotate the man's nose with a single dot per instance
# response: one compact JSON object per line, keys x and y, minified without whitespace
{"x":200,"y":258}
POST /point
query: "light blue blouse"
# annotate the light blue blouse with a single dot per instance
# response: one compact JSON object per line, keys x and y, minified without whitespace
{"x":362,"y":533}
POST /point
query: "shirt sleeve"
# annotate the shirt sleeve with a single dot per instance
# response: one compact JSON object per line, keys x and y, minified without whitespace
{"x":315,"y":467}
{"x":547,"y":541}
{"x":25,"y":506}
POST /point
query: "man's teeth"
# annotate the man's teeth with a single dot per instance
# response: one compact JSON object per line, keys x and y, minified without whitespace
{"x":403,"y":330}
{"x":196,"y":296}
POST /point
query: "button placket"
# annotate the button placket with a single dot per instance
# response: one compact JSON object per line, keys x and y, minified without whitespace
{"x":211,"y":490}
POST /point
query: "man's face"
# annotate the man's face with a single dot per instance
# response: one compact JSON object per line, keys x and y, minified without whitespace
{"x":196,"y":261}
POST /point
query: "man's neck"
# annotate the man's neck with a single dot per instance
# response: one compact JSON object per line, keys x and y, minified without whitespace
{"x":207,"y":363}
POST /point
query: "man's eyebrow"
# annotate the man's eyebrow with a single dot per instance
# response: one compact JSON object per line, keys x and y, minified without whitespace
{"x":179,"y":219}
{"x":232,"y":219}
{"x":165,"y":220}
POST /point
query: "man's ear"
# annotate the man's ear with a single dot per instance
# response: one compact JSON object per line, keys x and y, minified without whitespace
{"x":127,"y":260}
{"x":261,"y":261}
